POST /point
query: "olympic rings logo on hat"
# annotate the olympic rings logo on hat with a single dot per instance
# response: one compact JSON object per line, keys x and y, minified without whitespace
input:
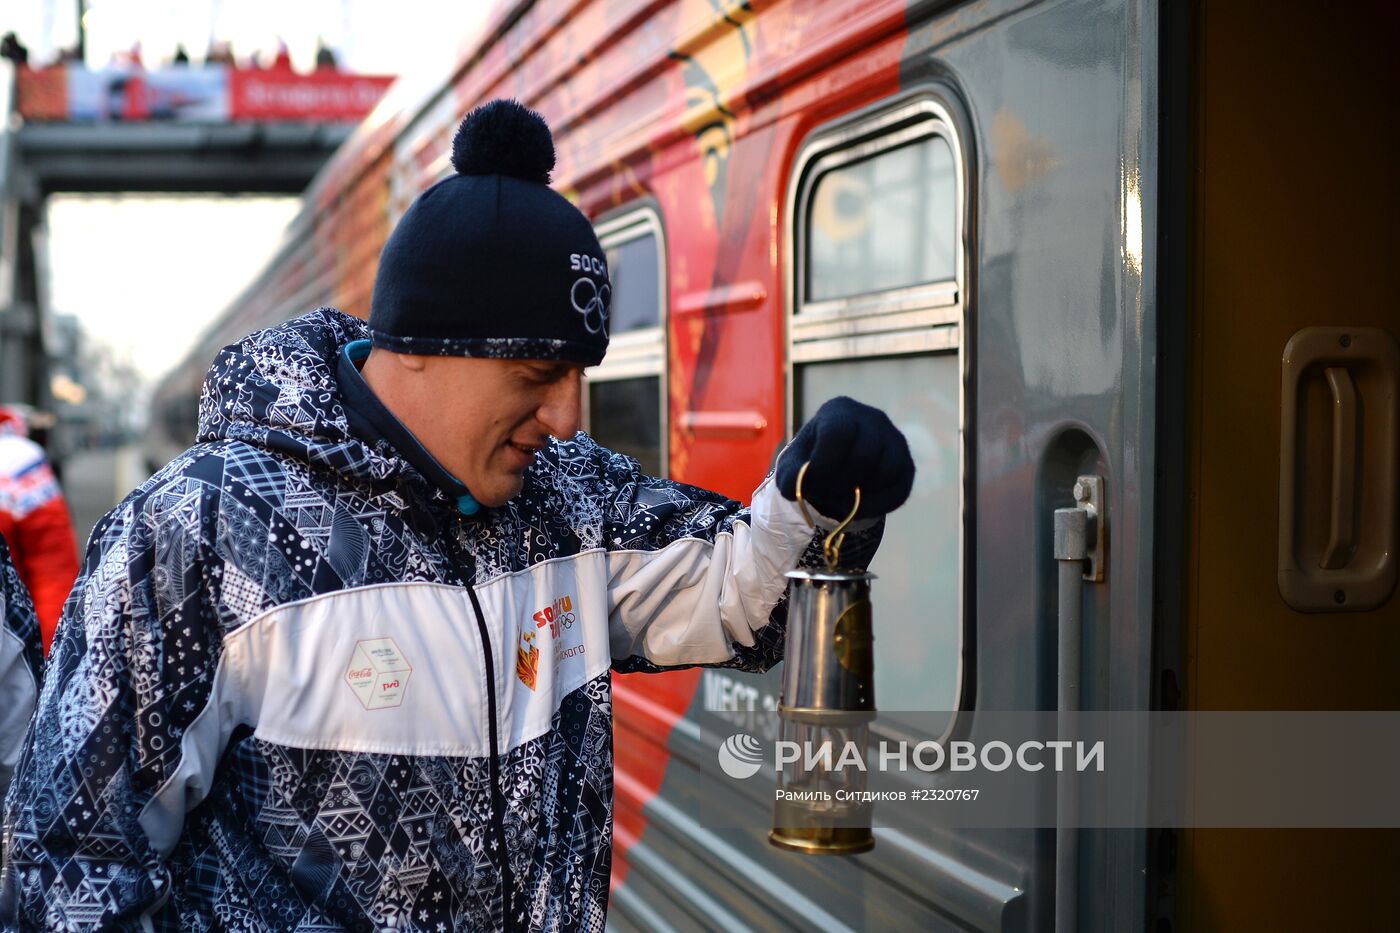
{"x":592,"y":303}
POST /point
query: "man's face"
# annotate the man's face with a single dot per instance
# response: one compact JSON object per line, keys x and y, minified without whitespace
{"x":485,"y":420}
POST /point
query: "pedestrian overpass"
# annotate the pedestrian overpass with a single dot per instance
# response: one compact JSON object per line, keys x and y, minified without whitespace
{"x":204,"y":130}
{"x":270,"y":158}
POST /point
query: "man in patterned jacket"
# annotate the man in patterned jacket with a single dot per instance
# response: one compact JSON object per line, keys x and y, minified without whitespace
{"x":302,"y":684}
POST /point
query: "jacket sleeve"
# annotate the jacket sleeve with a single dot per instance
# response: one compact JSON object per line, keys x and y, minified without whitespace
{"x":49,"y":560}
{"x":21,"y":663}
{"x":45,"y":549}
{"x":122,"y":741}
{"x":697,"y":579}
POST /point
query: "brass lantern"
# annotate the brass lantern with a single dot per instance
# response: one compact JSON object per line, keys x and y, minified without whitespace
{"x":828,"y":702}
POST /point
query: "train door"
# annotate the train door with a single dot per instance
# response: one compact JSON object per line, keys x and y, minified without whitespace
{"x":1060,"y":354}
{"x":1292,"y":200}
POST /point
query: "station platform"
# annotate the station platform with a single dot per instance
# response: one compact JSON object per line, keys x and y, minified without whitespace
{"x":95,"y":480}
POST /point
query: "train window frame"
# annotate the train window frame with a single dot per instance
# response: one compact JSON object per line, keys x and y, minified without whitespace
{"x":927,"y":318}
{"x":643,"y":352}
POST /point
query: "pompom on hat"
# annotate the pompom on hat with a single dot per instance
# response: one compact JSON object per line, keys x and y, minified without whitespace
{"x":492,"y":262}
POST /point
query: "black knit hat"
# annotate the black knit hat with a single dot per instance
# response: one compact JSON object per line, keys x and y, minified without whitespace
{"x":491,"y":261}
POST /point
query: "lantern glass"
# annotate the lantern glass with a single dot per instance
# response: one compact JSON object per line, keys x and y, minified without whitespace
{"x":820,"y":805}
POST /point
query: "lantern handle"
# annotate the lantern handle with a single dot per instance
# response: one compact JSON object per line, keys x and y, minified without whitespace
{"x":831,"y":546}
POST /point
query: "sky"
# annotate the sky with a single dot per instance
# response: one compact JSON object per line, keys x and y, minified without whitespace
{"x":146,"y":274}
{"x":371,"y":36}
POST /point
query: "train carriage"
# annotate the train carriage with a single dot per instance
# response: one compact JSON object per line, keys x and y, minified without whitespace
{"x":1052,"y":238}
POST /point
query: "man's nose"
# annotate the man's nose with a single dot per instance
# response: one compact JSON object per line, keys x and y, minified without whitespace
{"x":561,"y":413}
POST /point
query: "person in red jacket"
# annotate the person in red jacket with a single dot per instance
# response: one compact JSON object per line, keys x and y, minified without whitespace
{"x":34,"y":521}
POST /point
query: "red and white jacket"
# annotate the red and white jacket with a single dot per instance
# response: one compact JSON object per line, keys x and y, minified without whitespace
{"x":34,"y":522}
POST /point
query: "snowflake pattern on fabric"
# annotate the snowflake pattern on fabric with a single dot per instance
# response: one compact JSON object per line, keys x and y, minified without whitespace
{"x":279,"y":501}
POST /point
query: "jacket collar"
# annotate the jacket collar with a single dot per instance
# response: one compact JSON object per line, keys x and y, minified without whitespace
{"x":370,"y":420}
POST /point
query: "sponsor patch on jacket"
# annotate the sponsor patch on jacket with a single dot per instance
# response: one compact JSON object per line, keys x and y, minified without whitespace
{"x":378,"y":673}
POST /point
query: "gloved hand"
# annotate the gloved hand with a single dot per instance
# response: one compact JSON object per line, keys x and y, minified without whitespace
{"x":848,"y":444}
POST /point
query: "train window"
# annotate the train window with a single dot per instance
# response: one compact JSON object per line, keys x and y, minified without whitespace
{"x":635,"y":273}
{"x":883,"y":222}
{"x":626,"y":417}
{"x":877,"y":225}
{"x":625,"y":404}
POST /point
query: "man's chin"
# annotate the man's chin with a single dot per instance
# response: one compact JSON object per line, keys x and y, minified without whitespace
{"x":501,"y":492}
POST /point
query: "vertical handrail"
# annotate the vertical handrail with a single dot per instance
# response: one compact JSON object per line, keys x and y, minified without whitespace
{"x":1077,"y":532}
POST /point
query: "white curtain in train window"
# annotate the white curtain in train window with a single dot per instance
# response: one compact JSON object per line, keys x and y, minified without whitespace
{"x":885,"y":222}
{"x":625,"y":411}
{"x":918,"y":618}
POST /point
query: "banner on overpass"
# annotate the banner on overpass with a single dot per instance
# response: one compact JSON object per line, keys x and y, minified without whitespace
{"x":198,"y":94}
{"x":286,"y":95}
{"x":212,"y":94}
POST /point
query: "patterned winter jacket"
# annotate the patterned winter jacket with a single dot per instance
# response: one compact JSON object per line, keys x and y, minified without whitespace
{"x":297,"y":689}
{"x":21,"y":663}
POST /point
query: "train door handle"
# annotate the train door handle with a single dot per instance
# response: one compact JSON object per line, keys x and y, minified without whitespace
{"x":1339,"y":509}
{"x":1341,"y":541}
